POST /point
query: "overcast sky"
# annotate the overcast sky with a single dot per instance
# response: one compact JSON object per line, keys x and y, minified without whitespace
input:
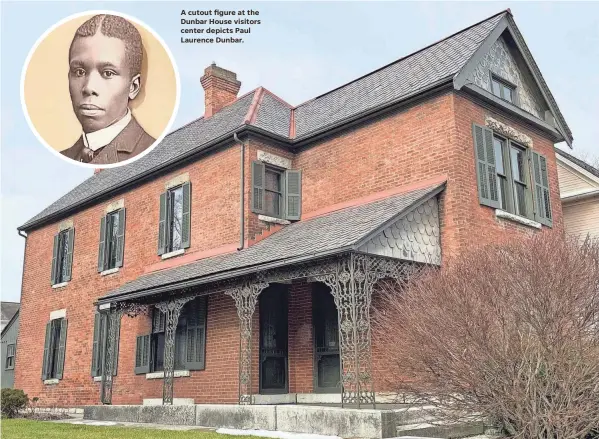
{"x":300,"y":51}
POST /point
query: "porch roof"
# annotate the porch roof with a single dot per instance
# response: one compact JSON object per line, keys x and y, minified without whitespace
{"x":333,"y":233}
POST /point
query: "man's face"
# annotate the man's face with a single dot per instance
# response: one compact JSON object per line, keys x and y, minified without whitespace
{"x":100,"y":81}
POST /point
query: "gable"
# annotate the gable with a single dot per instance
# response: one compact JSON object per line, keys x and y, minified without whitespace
{"x":571,"y":181}
{"x":505,"y":61}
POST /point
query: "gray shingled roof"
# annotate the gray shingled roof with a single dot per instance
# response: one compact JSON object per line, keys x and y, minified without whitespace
{"x":584,"y":165}
{"x":318,"y":236}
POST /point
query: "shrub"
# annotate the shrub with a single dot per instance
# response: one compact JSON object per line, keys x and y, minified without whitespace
{"x":507,"y":332}
{"x":13,"y":400}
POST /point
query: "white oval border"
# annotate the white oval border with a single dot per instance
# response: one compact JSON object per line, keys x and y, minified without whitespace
{"x":166,"y":130}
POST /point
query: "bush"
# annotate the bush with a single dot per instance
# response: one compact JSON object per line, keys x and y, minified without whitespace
{"x":13,"y":400}
{"x":507,"y":332}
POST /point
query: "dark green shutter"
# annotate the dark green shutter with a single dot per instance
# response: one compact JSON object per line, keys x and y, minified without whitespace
{"x":62,"y":343}
{"x":162,"y":225}
{"x":196,"y":334}
{"x":541,"y":189}
{"x":186,"y":220}
{"x":102,"y":245}
{"x":69,"y":263}
{"x":120,"y":239}
{"x":158,"y":321}
{"x":46,"y":359}
{"x":258,"y":177}
{"x":293,"y":194}
{"x":486,"y":170}
{"x":96,"y":351}
{"x":142,"y":354}
{"x":54,"y":259}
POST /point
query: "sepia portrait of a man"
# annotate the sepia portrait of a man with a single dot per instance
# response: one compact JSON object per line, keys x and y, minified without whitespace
{"x":104,"y":75}
{"x":100,"y":89}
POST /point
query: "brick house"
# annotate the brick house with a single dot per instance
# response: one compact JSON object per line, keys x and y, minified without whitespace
{"x":236,"y":262}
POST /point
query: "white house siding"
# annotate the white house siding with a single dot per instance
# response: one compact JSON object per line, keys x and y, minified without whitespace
{"x":582,"y":217}
{"x":572,"y":181}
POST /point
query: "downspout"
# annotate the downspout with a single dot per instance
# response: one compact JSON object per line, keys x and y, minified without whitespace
{"x":242,"y":193}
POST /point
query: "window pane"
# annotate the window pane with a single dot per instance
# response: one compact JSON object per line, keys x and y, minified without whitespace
{"x":63,"y":250}
{"x":273,"y":203}
{"x":496,"y":88}
{"x":502,"y":191}
{"x":498,"y":146}
{"x":113,"y":229}
{"x":273,"y":180}
{"x":159,"y":352}
{"x":517,"y":158}
{"x":176,"y":210}
{"x":54,"y":348}
{"x":519,"y":199}
{"x":508,"y":93}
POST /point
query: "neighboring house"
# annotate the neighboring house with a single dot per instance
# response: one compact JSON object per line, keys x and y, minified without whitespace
{"x":579,"y":191}
{"x":8,"y":348}
{"x":7,"y":311}
{"x":236,"y":261}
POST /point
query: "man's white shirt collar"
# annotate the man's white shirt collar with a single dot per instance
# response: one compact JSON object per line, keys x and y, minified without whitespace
{"x":101,"y":138}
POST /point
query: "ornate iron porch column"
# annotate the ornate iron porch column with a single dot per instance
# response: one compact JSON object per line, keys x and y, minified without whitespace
{"x":172,"y":310}
{"x":113,"y":320}
{"x":246,"y":297}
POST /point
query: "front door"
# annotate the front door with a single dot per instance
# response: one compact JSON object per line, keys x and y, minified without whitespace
{"x":326,"y":341}
{"x":273,"y":340}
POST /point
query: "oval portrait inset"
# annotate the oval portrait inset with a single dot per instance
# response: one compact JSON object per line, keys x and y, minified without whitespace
{"x":100,"y":89}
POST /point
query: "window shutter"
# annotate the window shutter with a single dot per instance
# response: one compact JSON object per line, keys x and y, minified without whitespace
{"x":186,"y":225}
{"x":96,"y":346}
{"x":115,"y":347}
{"x":46,"y":359}
{"x":293,"y":194}
{"x":541,"y":189}
{"x":54,"y":259}
{"x":258,"y":177}
{"x":102,"y":245}
{"x":62,"y":343}
{"x":162,"y":225}
{"x":158,"y":321}
{"x":69,"y":263}
{"x":142,"y":354}
{"x":120,"y":239}
{"x":196,"y":335}
{"x":486,"y":170}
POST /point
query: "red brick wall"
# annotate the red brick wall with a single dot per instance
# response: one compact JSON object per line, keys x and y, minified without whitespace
{"x":430,"y":139}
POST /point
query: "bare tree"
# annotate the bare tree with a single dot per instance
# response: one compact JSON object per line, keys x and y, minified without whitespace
{"x":506,"y":332}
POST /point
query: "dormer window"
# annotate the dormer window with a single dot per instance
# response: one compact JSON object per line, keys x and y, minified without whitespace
{"x":503,"y":89}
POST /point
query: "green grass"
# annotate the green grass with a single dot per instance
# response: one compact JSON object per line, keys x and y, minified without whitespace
{"x":25,"y":429}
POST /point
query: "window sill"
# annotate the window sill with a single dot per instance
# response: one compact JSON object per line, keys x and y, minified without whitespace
{"x":173,"y":254}
{"x":52,"y":381}
{"x":111,"y":271}
{"x":272,"y":219}
{"x":60,"y":285}
{"x":517,"y":218}
{"x":160,"y":375}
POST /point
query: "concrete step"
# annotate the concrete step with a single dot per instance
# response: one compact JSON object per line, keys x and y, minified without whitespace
{"x":447,"y":431}
{"x":414,"y":415}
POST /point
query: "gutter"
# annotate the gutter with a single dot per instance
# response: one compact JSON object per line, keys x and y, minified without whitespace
{"x":241,"y":193}
{"x":581,"y":196}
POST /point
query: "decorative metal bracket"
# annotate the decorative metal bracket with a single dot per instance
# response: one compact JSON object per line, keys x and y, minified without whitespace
{"x":246,"y":298}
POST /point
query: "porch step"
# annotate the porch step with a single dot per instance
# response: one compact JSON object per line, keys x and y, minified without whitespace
{"x":448,"y":431}
{"x":414,"y":415}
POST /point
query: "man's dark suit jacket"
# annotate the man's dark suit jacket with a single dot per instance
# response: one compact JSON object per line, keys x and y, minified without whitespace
{"x":130,"y":142}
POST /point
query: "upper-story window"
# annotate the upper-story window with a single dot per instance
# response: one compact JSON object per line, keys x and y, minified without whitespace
{"x":112,"y":240}
{"x":503,"y":89}
{"x":511,"y":177}
{"x":175,"y":218}
{"x":62,"y":257}
{"x":276,"y":191}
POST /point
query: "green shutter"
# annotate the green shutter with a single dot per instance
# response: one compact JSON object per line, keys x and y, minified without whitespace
{"x":120,"y":239}
{"x":158,"y":321}
{"x":196,"y":334}
{"x":142,"y":354}
{"x":96,"y":352}
{"x":186,"y":225}
{"x":486,"y":170}
{"x":46,"y":359}
{"x":293,"y":194}
{"x":541,"y":189}
{"x":258,"y":178}
{"x":102,"y":245}
{"x":62,"y":343}
{"x":162,"y":225}
{"x":54,"y":259}
{"x":69,"y":263}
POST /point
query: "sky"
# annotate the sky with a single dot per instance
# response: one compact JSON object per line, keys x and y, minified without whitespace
{"x":299,"y":51}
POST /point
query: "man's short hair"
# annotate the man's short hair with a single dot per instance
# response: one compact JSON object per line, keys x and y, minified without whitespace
{"x":116,"y":27}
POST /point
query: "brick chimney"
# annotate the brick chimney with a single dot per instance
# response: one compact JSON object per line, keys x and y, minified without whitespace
{"x":220,"y":88}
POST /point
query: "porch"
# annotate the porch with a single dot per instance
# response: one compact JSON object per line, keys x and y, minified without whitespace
{"x":341,"y":256}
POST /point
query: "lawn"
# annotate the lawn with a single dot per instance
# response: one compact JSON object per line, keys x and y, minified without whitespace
{"x":25,"y":429}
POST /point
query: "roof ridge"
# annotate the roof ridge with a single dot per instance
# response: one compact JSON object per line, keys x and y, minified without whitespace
{"x":505,"y":11}
{"x":252,"y":113}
